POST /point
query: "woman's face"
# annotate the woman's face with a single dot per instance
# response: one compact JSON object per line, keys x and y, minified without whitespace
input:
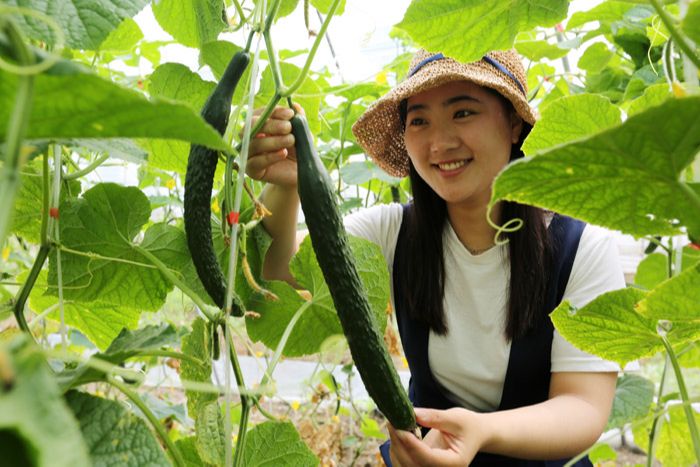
{"x":459,"y":136}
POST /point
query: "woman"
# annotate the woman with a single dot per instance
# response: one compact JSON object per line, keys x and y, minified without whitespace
{"x":496,"y":385}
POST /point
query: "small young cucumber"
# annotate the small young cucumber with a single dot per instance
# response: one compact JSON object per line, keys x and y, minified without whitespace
{"x":199,"y":181}
{"x":330,"y":242}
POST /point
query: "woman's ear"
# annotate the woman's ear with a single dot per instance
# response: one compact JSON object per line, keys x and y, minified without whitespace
{"x":516,"y":126}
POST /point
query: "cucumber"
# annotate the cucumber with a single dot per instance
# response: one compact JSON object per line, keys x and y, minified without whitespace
{"x":199,"y":181}
{"x":330,"y":242}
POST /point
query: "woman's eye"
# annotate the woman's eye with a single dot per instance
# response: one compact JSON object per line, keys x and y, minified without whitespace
{"x":462,"y":113}
{"x":417,"y":122}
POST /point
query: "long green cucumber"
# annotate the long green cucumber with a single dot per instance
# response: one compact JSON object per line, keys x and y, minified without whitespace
{"x":199,"y":181}
{"x":330,"y":242}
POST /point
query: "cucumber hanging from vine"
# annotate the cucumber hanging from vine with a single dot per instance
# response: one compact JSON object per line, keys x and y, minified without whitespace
{"x":199,"y":181}
{"x":330,"y":243}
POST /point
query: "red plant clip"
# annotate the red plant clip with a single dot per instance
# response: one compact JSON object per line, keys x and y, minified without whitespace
{"x":694,"y":246}
{"x":233,"y":218}
{"x":53,"y":212}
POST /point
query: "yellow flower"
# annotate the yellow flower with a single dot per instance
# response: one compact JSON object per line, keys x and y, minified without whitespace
{"x":5,"y":253}
{"x":404,"y":362}
{"x":215,"y":206}
{"x":678,"y":89}
{"x":295,"y":405}
{"x":170,"y":184}
{"x":381,"y":77}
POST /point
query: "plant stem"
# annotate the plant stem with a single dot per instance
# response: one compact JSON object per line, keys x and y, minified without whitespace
{"x":653,"y":434}
{"x":169,"y":353}
{"x":271,"y":15}
{"x":305,"y":70}
{"x":678,"y":38}
{"x":23,"y":293}
{"x":172,"y":451}
{"x":96,"y":256}
{"x":687,"y":407}
{"x":245,"y":399}
{"x":165,"y":270}
{"x":92,"y":166}
{"x":16,"y":128}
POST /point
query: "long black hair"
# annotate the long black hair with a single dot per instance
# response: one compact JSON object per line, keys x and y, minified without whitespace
{"x":424,"y":275}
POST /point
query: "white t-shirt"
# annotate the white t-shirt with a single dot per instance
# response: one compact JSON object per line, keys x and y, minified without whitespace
{"x":472,"y":359}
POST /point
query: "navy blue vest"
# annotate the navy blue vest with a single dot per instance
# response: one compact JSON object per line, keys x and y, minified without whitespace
{"x":528,"y":373}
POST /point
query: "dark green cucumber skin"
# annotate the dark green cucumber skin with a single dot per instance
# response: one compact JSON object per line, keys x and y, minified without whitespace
{"x":330,"y":242}
{"x":199,"y":181}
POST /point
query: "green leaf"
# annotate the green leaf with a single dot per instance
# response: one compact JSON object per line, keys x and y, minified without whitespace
{"x":370,"y":428}
{"x":104,"y":222}
{"x":625,"y":178}
{"x":130,"y":343}
{"x":117,"y":148}
{"x":609,"y":327}
{"x":71,"y":102}
{"x":653,"y":95}
{"x":652,"y":271}
{"x":606,"y":12}
{"x":114,"y":435}
{"x":324,"y":6}
{"x":175,"y":81}
{"x":188,"y":449}
{"x":595,"y":57}
{"x":357,"y":173}
{"x":691,"y":22}
{"x":99,"y":322}
{"x":676,"y":299}
{"x":190,"y":22}
{"x":536,"y":50}
{"x":36,"y":426}
{"x":633,"y":397}
{"x":674,"y":442}
{"x":467,"y":29}
{"x":86,"y":23}
{"x":211,"y":439}
{"x":197,"y":344}
{"x":319,"y":321}
{"x":602,"y":452}
{"x":26,"y":219}
{"x":690,"y":358}
{"x":124,"y":38}
{"x":276,"y":443}
{"x":569,"y":119}
{"x":217,"y":55}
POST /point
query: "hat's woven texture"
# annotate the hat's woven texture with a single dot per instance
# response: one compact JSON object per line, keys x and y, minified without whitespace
{"x":380,"y":131}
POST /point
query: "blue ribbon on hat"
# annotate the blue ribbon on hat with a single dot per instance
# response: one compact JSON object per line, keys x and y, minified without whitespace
{"x":490,"y":60}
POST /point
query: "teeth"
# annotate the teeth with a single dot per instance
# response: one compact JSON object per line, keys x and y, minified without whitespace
{"x":451,"y":165}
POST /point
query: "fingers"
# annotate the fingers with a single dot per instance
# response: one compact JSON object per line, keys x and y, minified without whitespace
{"x":257,"y":166}
{"x":269,"y":144}
{"x":410,"y":451}
{"x":448,"y":421}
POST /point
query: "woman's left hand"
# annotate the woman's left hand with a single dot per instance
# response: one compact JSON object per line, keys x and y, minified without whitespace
{"x":453,"y":440}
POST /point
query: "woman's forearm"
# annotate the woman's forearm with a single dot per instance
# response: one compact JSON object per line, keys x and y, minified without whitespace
{"x":283,"y":203}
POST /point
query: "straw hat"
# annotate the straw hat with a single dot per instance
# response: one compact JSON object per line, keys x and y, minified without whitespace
{"x":380,"y":131}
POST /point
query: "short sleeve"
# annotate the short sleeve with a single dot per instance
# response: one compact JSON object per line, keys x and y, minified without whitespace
{"x":379,"y":224}
{"x":596,"y":270}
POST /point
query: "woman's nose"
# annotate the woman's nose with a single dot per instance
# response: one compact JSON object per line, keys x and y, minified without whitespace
{"x":442,"y":140}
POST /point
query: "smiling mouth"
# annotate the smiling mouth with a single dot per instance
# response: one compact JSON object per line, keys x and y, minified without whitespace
{"x":453,"y":165}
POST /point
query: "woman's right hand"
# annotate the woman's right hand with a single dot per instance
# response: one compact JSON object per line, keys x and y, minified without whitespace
{"x":272,"y":157}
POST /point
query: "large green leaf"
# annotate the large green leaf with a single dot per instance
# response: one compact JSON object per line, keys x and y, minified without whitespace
{"x":604,"y":12}
{"x":114,"y":435}
{"x":129,"y":343}
{"x":652,"y":271}
{"x":36,"y":426}
{"x":190,"y":22}
{"x":625,"y":178}
{"x":691,"y":22}
{"x":124,"y":38}
{"x":319,"y":321}
{"x":674,"y":442}
{"x":571,"y":118}
{"x":595,"y":57}
{"x":677,"y":299}
{"x":467,"y":29}
{"x":197,"y":344}
{"x":104,"y":222}
{"x":609,"y":327}
{"x":71,"y":102}
{"x":278,"y":444}
{"x":175,"y":81}
{"x":324,"y":6}
{"x":86,"y":23}
{"x":26,"y":220}
{"x":633,"y":397}
{"x":188,"y":449}
{"x":538,"y":49}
